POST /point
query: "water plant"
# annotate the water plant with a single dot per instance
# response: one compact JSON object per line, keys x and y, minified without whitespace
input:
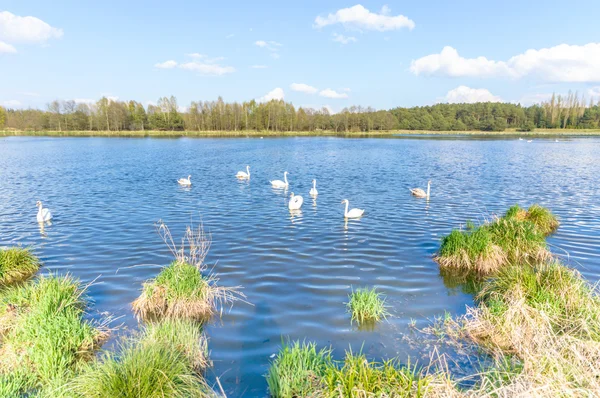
{"x":17,"y":264}
{"x":301,"y":370}
{"x":44,"y":337}
{"x":164,"y":360}
{"x":185,"y":289}
{"x":486,"y":248}
{"x":542,"y":218}
{"x":366,"y":305}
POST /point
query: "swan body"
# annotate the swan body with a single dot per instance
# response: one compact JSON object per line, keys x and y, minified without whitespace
{"x":529,"y":140}
{"x":43,"y":214}
{"x":313,"y":191}
{"x":419,"y":193}
{"x":186,"y":182}
{"x":295,"y":202}
{"x":520,"y":139}
{"x":279,"y":183}
{"x":354,"y":213}
{"x":244,"y":175}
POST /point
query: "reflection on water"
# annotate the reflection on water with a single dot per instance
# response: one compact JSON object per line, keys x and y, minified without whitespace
{"x":296,"y":268}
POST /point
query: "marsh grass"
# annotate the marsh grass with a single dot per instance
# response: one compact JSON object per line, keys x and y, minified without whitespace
{"x":542,"y":218}
{"x":542,"y":324}
{"x":366,"y":306}
{"x":164,"y":360}
{"x":185,"y":289}
{"x":301,"y":370}
{"x":487,"y":248}
{"x":16,"y":265}
{"x":44,"y":337}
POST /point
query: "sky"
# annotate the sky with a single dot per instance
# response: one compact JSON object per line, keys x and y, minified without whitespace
{"x":335,"y":54}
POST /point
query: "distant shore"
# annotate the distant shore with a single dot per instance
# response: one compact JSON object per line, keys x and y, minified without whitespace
{"x":319,"y":133}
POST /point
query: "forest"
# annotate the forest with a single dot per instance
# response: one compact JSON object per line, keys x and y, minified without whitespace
{"x":560,"y":112}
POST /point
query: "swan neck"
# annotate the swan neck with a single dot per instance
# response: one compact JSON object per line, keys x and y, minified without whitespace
{"x":428,"y":189}
{"x":248,"y":170}
{"x":315,"y":184}
{"x":346,"y":212}
{"x":285,"y":178}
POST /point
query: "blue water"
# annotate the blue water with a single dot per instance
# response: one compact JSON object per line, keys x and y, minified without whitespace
{"x":296,"y":270}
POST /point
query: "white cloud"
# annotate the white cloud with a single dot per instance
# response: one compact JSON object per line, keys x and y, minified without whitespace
{"x":271,"y":46}
{"x":562,"y":63}
{"x":594,"y":92}
{"x":464,"y":94}
{"x":260,"y":43}
{"x":84,"y":101}
{"x":275,"y":94}
{"x":6,"y":48}
{"x":343,"y":39}
{"x":11,"y":103}
{"x":361,"y":18}
{"x":14,"y":28}
{"x":303,"y":88}
{"x":210,"y":69}
{"x":166,"y":65}
{"x":259,"y":66}
{"x":195,"y":55}
{"x":329,"y":93}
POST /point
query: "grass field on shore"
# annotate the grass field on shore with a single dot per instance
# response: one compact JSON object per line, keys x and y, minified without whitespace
{"x":252,"y":133}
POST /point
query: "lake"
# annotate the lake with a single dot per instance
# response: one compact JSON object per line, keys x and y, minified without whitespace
{"x":297,"y":270}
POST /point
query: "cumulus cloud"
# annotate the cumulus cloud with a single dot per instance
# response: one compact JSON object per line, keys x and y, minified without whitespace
{"x":359,"y":17}
{"x":343,"y":39}
{"x":260,"y":43}
{"x":166,"y":65}
{"x":464,"y":94}
{"x":16,"y":29}
{"x":6,"y":48}
{"x":275,"y":94}
{"x":11,"y":103}
{"x":271,"y":46}
{"x":210,"y":69}
{"x":303,"y":88}
{"x":329,"y":93}
{"x":562,"y":63}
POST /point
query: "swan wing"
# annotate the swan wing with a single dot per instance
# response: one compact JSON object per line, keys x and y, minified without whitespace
{"x":418,"y":192}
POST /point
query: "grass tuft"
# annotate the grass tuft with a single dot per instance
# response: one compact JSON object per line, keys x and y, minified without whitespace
{"x":185,"y":289}
{"x":367,"y":306}
{"x":165,"y":360}
{"x":17,"y":264}
{"x":44,"y":336}
{"x":519,"y":236}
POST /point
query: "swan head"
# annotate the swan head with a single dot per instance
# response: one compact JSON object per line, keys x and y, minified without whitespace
{"x":38,"y":203}
{"x":189,"y":177}
{"x":314,"y":181}
{"x":285,"y":173}
{"x":345,"y":201}
{"x":429,"y":182}
{"x":292,"y":195}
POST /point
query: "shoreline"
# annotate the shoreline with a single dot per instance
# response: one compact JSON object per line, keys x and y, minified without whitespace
{"x":252,"y":133}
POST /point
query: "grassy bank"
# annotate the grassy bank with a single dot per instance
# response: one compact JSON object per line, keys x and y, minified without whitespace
{"x":16,"y":265}
{"x":253,"y":133}
{"x":164,"y":360}
{"x":44,"y":338}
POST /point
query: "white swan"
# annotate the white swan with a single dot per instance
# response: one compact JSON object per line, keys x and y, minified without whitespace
{"x":520,"y":139}
{"x":313,"y":191}
{"x":279,"y":183}
{"x":185,"y":181}
{"x":295,"y":202}
{"x":43,"y":214}
{"x":244,"y":175}
{"x":529,"y":140}
{"x":419,"y":193}
{"x":354,"y":213}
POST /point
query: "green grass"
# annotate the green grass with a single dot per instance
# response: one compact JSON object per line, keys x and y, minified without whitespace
{"x":17,"y":264}
{"x":519,"y":236}
{"x":301,"y":370}
{"x":164,"y":360}
{"x":366,"y":306}
{"x":298,"y":370}
{"x":44,"y":336}
{"x":179,"y":291}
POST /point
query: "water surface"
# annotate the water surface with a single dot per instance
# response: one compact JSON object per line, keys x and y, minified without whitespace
{"x":296,"y":270}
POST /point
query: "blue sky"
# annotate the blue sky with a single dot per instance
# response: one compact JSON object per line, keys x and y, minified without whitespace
{"x":393,"y":53}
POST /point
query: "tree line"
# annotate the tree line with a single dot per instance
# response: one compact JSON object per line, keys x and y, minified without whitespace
{"x":560,"y":112}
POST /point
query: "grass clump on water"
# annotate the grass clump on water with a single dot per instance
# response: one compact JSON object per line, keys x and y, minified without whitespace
{"x":44,"y":337}
{"x":366,"y":306}
{"x":519,"y":236}
{"x":301,"y":370}
{"x":17,"y":264}
{"x":185,"y":289}
{"x":165,"y":360}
